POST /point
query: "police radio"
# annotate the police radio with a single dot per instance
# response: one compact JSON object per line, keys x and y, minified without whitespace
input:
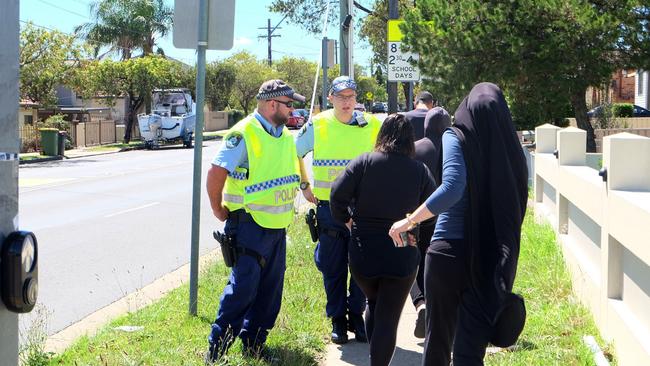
{"x":19,"y":271}
{"x":361,"y":120}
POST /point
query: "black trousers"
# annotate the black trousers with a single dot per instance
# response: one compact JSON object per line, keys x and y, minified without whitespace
{"x":454,"y":318}
{"x":417,"y":290}
{"x":386,"y":298}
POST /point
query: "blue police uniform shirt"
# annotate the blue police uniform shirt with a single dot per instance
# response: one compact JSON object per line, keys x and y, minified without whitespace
{"x":305,"y":138}
{"x":231,"y":157}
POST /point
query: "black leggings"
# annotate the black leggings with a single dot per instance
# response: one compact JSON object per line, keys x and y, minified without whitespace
{"x":386,"y":298}
{"x":453,"y":313}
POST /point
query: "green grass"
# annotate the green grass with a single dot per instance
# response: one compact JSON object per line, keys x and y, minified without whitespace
{"x":221,"y":133}
{"x":32,"y":156}
{"x":552,"y":336}
{"x":555,"y":322}
{"x":172,"y":337}
{"x":117,"y":146}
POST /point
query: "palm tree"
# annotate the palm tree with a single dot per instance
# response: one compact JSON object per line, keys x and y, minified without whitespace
{"x":126,"y":25}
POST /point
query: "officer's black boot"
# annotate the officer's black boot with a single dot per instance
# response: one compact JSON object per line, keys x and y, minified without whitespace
{"x":339,"y":330}
{"x":216,"y":353}
{"x":357,"y":325}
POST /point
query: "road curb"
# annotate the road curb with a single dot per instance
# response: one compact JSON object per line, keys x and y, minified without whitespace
{"x":135,"y":301}
{"x":40,"y":160}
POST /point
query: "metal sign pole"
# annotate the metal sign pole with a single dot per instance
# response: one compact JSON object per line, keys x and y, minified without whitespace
{"x":201,"y":47}
{"x":9,"y":147}
{"x":391,"y":86}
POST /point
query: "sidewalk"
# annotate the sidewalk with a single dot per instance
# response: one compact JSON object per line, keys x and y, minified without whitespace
{"x":408,"y":350}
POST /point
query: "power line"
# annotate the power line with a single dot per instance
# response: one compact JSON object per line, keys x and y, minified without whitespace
{"x":64,"y":9}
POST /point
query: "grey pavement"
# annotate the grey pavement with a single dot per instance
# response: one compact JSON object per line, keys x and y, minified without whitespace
{"x":408,"y":350}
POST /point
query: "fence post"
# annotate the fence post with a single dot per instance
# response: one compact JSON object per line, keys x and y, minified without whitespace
{"x":626,"y":161}
{"x":545,"y":143}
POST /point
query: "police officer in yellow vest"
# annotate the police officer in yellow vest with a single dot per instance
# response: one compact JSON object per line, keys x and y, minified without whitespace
{"x":252,"y":185}
{"x":336,"y":137}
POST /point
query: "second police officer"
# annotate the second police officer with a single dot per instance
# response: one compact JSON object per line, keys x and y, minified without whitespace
{"x":336,"y":136}
{"x":252,"y":185}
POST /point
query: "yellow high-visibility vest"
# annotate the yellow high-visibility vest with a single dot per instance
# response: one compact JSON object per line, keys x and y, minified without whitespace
{"x":268,"y":187}
{"x":335,"y":145}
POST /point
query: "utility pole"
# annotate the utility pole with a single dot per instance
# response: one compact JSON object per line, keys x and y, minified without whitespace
{"x":391,"y":86}
{"x":269,"y":35}
{"x":346,"y":12}
{"x":9,"y":141}
{"x":324,"y":65}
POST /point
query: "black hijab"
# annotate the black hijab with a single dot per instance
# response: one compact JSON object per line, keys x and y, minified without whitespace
{"x":497,"y":179}
{"x":429,"y":148}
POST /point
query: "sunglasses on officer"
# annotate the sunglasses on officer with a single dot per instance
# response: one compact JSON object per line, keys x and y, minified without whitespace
{"x":289,"y":104}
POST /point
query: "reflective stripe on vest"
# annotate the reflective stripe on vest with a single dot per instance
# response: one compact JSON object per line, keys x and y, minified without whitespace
{"x":322,"y":184}
{"x":234,"y":198}
{"x":335,"y":145}
{"x":268,"y":188}
{"x":271,"y":209}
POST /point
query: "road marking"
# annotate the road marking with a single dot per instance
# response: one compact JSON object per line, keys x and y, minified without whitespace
{"x":34,"y":182}
{"x":132,"y":209}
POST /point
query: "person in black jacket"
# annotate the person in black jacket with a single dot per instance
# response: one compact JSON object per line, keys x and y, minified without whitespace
{"x":429,"y":151}
{"x":423,"y":103}
{"x":375,"y":190}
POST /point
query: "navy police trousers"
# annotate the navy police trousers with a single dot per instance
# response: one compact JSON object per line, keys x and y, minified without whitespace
{"x":250,"y":303}
{"x":331,"y":257}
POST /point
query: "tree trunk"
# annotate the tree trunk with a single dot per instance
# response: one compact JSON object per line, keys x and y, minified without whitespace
{"x":580,"y":107}
{"x":132,"y":107}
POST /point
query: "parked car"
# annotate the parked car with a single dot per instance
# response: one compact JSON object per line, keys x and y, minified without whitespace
{"x":296,"y":120}
{"x":304,"y":113}
{"x":637,"y":112}
{"x":379,"y":107}
{"x":360,"y":107}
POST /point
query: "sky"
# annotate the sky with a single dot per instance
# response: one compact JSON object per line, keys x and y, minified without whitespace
{"x":65,"y":15}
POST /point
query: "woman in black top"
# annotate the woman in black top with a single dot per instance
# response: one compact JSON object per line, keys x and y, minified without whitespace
{"x":376,"y":189}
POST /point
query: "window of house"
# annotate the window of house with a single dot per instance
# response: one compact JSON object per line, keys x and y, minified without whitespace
{"x":28,"y":119}
{"x":639,"y":82}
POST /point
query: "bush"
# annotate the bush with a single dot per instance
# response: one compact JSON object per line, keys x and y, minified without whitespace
{"x":623,"y":109}
{"x":31,"y":144}
{"x":234,"y":116}
{"x":56,"y":122}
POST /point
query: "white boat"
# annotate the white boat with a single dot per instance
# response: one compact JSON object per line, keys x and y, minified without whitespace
{"x":172,"y":118}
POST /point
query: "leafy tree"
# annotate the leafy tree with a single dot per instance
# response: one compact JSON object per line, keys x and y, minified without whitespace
{"x":46,"y":60}
{"x":127,"y":25}
{"x":219,"y":82}
{"x":250,"y":74}
{"x":541,"y":52}
{"x":135,"y":79}
{"x":299,"y":74}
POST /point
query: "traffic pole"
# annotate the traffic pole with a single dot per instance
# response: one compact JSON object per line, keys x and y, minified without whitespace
{"x":391,"y":86}
{"x":9,"y":148}
{"x":201,"y":47}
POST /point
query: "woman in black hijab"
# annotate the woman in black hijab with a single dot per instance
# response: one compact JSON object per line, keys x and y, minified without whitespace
{"x":470,"y":272}
{"x":429,"y":151}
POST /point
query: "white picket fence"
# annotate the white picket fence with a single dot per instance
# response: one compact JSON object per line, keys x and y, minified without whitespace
{"x":603,"y":223}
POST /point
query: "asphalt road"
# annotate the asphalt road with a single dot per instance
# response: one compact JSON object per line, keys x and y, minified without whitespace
{"x":109,"y":225}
